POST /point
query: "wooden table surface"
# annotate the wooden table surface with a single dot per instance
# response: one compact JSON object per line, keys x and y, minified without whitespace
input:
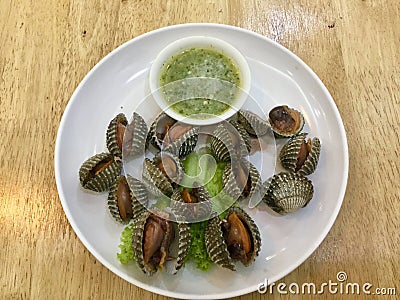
{"x":47,"y":47}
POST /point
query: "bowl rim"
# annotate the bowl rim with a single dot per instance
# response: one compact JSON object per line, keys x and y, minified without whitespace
{"x":189,"y":42}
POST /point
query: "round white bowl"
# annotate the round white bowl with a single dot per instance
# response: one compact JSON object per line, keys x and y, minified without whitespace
{"x":203,"y":42}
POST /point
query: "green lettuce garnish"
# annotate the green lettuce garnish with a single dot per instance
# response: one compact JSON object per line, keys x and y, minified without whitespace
{"x":196,"y":167}
{"x":212,"y":181}
{"x":214,"y":186}
{"x":126,"y":255}
{"x":197,"y":250}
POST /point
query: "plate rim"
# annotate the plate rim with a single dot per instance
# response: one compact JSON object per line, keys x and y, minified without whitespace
{"x":168,"y":293}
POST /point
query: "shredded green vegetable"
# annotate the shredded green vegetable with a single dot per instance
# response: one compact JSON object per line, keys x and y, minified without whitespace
{"x":214,"y":186}
{"x":197,"y":250}
{"x":126,"y":255}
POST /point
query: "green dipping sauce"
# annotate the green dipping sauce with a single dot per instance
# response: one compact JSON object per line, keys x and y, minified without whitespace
{"x":200,"y":62}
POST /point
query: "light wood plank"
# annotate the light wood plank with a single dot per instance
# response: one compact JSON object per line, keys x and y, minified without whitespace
{"x":46,"y":49}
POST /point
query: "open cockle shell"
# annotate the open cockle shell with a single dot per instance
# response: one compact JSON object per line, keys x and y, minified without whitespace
{"x":227,"y":242}
{"x":285,"y":121}
{"x":152,"y":238}
{"x":253,"y":123}
{"x":183,"y":241}
{"x":218,"y":147}
{"x":253,"y":230}
{"x":122,"y":202}
{"x":140,"y":240}
{"x":155,"y":180}
{"x":139,"y":193}
{"x":181,"y":139}
{"x":119,"y":201}
{"x":115,"y":134}
{"x":227,"y":143}
{"x":135,"y":137}
{"x":137,"y":240}
{"x":216,"y":246}
{"x":243,"y":134}
{"x":170,"y":165}
{"x":99,"y":172}
{"x":241,"y":180}
{"x":287,"y":192}
{"x":191,"y":204}
{"x":158,"y":130}
{"x":299,"y":155}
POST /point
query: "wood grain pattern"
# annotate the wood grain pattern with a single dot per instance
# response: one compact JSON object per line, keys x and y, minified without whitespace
{"x":48,"y":46}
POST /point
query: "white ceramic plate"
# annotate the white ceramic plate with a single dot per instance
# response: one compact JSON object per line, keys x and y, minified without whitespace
{"x":119,"y":81}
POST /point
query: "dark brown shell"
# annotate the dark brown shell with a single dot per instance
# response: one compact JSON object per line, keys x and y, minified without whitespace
{"x":139,"y":242}
{"x":99,"y":172}
{"x":139,"y":194}
{"x":182,"y":231}
{"x":120,"y":201}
